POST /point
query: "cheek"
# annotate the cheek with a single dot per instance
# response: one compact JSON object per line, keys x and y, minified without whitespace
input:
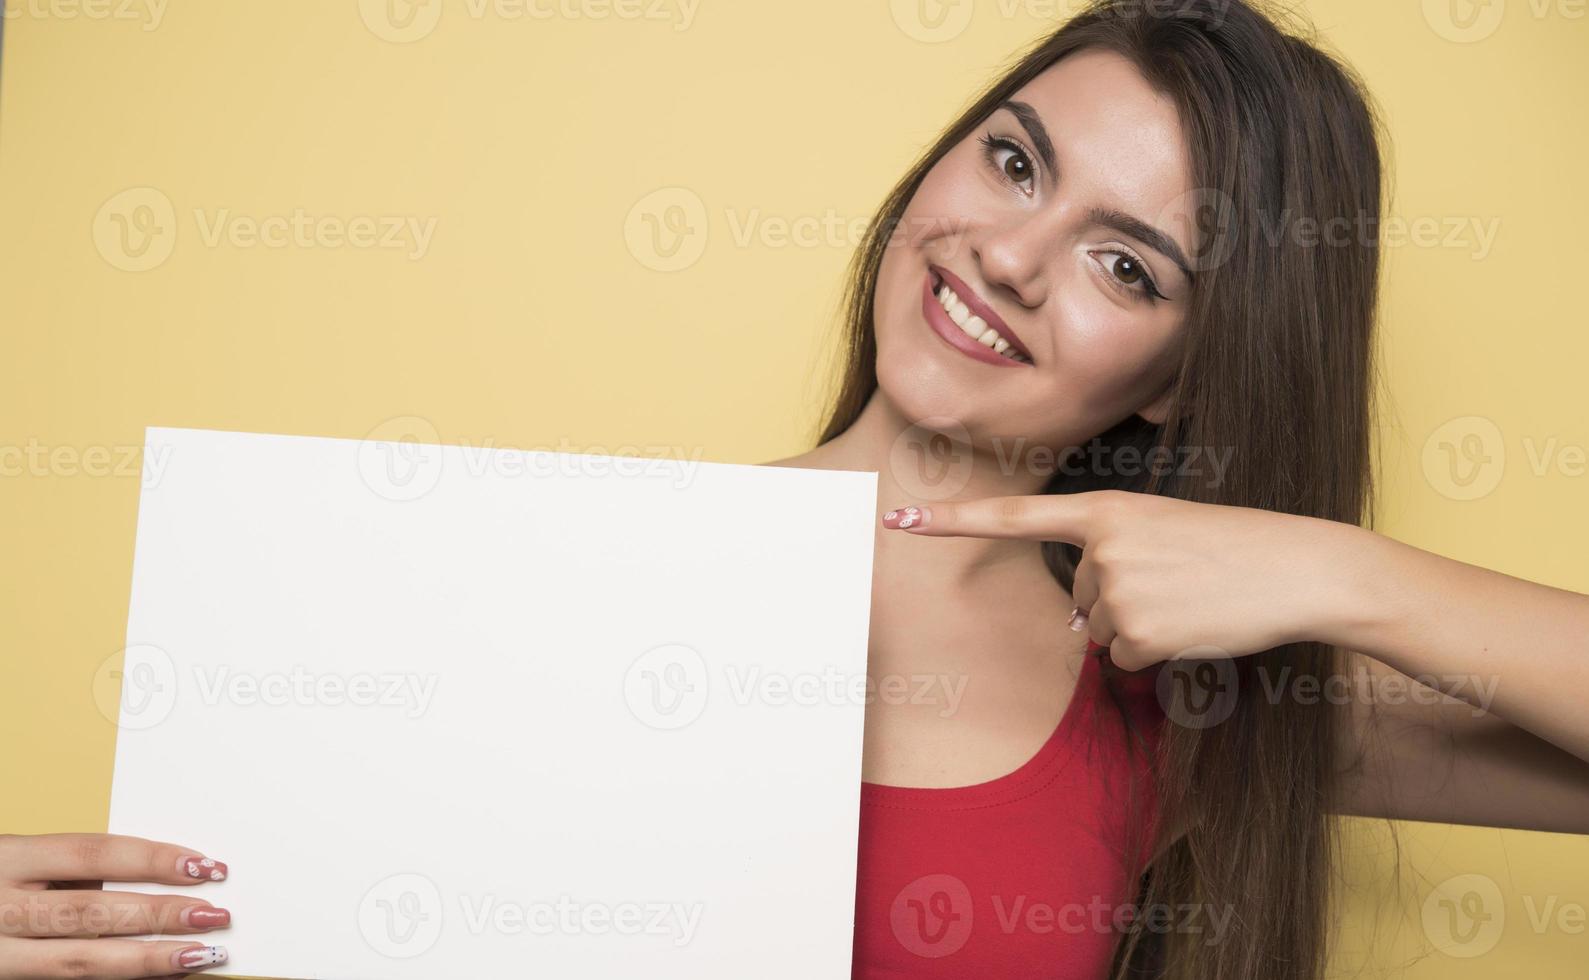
{"x":1108,"y":358}
{"x":935,"y":223}
{"x":950,"y":197}
{"x":910,"y":369}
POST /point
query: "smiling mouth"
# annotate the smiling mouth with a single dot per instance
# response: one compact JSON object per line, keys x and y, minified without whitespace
{"x":958,"y":315}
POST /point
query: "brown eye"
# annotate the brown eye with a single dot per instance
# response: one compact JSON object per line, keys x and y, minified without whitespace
{"x":1008,"y":159}
{"x":1123,"y":269}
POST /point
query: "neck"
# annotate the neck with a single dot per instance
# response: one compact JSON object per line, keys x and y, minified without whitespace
{"x":909,"y":473}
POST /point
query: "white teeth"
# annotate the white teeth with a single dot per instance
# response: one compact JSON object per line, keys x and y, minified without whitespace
{"x":974,"y":326}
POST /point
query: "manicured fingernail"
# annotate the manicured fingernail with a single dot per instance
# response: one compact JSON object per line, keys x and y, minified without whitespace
{"x":205,"y":917}
{"x":206,"y":869}
{"x":907,"y":517}
{"x":199,"y":957}
{"x":1078,"y":622}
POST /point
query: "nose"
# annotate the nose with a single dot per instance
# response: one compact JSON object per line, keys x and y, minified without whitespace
{"x":1015,"y":257}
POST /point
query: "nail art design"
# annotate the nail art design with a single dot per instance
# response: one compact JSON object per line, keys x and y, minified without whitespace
{"x":1078,"y":620}
{"x":902,"y":519}
{"x":206,"y":918}
{"x":200,"y":957}
{"x":204,"y":868}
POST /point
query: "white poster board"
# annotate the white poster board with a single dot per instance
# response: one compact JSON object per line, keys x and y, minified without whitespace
{"x":452,"y":712}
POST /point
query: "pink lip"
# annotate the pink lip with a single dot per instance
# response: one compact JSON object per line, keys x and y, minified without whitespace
{"x":951,"y":333}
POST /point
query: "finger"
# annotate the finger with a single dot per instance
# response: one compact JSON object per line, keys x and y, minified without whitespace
{"x":1104,"y":631}
{"x":96,"y":913}
{"x":1039,"y":517}
{"x":1084,"y":593}
{"x":103,"y":857}
{"x":1101,"y":626}
{"x":104,"y":959}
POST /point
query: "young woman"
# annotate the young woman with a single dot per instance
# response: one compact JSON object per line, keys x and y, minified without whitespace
{"x":1104,"y":255}
{"x":1158,"y":230}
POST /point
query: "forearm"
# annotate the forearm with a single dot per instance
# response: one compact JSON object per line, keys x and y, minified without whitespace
{"x":1517,"y":648}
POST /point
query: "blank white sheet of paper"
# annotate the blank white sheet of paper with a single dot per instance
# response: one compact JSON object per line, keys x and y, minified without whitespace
{"x":451,"y":711}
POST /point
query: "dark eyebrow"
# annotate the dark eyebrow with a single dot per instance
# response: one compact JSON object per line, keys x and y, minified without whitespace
{"x":1143,"y":232}
{"x":1035,"y":130}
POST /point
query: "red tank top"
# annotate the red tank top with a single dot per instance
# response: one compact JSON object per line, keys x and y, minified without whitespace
{"x":1024,"y":876}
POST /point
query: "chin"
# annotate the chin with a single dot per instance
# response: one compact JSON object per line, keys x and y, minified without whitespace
{"x":922,"y":378}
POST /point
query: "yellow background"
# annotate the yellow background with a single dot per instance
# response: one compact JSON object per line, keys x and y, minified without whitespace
{"x":540,"y":315}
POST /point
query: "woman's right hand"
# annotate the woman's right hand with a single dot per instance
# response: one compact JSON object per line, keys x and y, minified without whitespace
{"x":53,"y":912}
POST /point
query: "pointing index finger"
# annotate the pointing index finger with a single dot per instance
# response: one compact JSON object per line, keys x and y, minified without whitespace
{"x":1039,"y":517}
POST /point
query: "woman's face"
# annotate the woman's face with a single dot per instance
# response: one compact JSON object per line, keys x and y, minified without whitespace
{"x":1065,"y":215}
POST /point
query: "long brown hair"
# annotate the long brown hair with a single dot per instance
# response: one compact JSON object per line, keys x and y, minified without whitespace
{"x":1277,"y":368}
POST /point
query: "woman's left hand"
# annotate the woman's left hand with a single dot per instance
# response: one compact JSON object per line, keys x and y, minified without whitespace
{"x":1162,"y":579}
